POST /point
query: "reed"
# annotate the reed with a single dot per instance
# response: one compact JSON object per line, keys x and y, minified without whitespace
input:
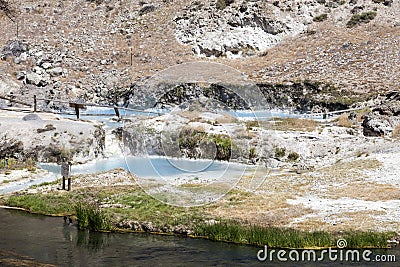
{"x":231,"y":231}
{"x":91,"y":217}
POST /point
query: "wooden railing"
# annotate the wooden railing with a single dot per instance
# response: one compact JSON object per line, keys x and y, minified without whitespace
{"x":77,"y":106}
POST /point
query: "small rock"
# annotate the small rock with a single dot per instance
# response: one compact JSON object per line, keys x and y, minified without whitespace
{"x":57,"y":71}
{"x":272,"y":163}
{"x":146,"y":9}
{"x":47,"y":65}
{"x":38,"y":70}
{"x":20,"y":75}
{"x":31,"y":117}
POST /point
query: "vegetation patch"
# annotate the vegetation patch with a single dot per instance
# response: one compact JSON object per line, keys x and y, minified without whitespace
{"x":221,"y":4}
{"x":280,"y":152}
{"x":91,"y":217}
{"x":320,"y":18}
{"x":14,"y":164}
{"x":344,"y":121}
{"x":102,"y":209}
{"x":236,"y":232}
{"x":358,"y":19}
{"x":47,"y":204}
{"x":191,"y":138}
{"x":396,"y":132}
{"x":295,"y":124}
{"x":293,"y":156}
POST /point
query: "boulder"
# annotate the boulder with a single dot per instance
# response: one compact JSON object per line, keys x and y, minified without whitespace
{"x":7,"y":84}
{"x":272,"y":163}
{"x":37,"y":79}
{"x":11,"y":148}
{"x":13,"y":49}
{"x":33,"y":78}
{"x":379,"y":125}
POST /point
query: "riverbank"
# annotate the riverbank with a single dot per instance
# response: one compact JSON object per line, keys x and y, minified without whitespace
{"x":263,"y":220}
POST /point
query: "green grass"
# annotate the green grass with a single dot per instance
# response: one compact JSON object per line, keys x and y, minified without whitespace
{"x":13,"y":164}
{"x":136,"y":205}
{"x":91,"y":217}
{"x":58,"y":204}
{"x":235,"y":232}
{"x":260,"y":236}
{"x":142,"y":207}
{"x":367,"y":239}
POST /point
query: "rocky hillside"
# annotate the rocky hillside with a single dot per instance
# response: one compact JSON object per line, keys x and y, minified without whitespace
{"x":93,"y":50}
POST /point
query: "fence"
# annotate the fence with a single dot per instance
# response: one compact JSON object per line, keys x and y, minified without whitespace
{"x":75,"y":105}
{"x":79,"y":106}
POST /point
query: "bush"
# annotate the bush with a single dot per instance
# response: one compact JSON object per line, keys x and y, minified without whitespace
{"x":221,"y":4}
{"x":364,"y":17}
{"x":280,"y":152}
{"x":252,"y":153}
{"x":320,"y":18}
{"x":293,"y":156}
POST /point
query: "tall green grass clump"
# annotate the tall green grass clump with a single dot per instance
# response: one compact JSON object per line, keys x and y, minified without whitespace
{"x":91,"y":217}
{"x":367,"y":239}
{"x":231,"y":231}
{"x":260,"y":236}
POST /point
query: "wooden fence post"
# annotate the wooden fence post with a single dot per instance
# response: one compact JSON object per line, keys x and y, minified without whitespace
{"x":77,"y":111}
{"x":34,"y":104}
{"x":116,"y":111}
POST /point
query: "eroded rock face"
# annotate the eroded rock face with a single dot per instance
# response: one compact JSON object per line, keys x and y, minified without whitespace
{"x":46,"y":138}
{"x":377,"y":125}
{"x":235,"y":28}
{"x":384,"y":118}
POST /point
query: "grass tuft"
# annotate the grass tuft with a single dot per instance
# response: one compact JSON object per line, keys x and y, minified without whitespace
{"x":91,"y":217}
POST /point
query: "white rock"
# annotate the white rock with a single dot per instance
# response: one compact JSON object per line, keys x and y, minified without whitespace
{"x":47,"y":65}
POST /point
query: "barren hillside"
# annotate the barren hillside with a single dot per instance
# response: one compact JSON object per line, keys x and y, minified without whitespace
{"x":93,"y":49}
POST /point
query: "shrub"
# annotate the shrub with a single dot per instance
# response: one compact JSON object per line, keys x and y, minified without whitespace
{"x":251,"y":124}
{"x":252,"y":153}
{"x":320,"y":18}
{"x":364,"y":17}
{"x":221,"y":4}
{"x":280,"y":152}
{"x":293,"y":156}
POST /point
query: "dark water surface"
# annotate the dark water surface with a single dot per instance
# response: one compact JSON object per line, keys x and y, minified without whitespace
{"x":50,"y":240}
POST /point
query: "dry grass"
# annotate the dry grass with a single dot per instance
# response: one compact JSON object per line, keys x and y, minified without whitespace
{"x":367,"y":191}
{"x":396,"y":132}
{"x":294,"y":124}
{"x":344,"y":121}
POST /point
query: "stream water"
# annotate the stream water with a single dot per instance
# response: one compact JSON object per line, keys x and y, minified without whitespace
{"x":50,"y":240}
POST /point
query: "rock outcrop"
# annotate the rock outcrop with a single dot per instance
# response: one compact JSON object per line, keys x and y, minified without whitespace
{"x":242,"y":28}
{"x":384,"y":118}
{"x":47,"y":138}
